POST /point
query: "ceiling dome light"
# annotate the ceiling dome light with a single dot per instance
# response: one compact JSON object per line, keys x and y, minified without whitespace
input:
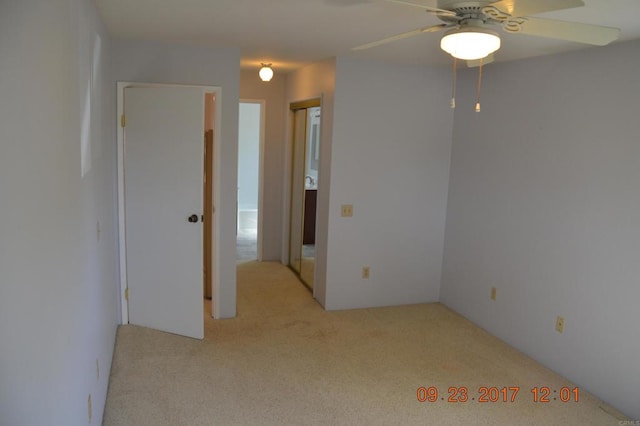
{"x":266,"y":73}
{"x":470,"y":43}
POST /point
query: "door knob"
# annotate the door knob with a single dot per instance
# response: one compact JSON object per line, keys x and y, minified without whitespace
{"x":193,"y":218}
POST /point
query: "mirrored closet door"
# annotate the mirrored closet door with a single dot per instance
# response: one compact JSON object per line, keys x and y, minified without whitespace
{"x":304,"y":189}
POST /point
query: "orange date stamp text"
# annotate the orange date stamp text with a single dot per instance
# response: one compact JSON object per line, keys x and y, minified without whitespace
{"x":486,"y":394}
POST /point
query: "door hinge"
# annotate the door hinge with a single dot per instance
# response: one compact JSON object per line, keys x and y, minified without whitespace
{"x":123,"y":120}
{"x":126,"y":294}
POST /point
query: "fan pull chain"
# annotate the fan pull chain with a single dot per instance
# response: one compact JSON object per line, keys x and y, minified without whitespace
{"x":453,"y":85}
{"x":479,"y":86}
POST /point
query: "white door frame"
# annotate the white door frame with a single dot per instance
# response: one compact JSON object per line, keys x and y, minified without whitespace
{"x":122,"y":248}
{"x":262,"y":103}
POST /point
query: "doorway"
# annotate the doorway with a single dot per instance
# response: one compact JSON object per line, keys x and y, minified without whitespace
{"x":304,"y":189}
{"x":250,"y":154}
{"x":207,"y":260}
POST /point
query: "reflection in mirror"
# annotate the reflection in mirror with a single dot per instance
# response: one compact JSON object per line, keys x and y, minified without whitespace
{"x":297,"y":190}
{"x":304,"y":186}
{"x":312,"y":145}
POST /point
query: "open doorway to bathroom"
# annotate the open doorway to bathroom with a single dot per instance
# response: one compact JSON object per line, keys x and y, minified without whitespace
{"x":249,"y":218}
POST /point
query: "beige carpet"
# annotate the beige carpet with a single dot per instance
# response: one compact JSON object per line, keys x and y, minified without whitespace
{"x":286,"y":361}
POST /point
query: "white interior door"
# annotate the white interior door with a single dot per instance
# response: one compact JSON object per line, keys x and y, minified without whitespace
{"x":163,"y":171}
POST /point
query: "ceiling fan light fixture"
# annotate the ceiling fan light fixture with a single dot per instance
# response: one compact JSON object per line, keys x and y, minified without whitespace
{"x":470,"y":43}
{"x":265,"y":73}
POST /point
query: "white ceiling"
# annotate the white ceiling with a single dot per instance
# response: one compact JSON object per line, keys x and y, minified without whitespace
{"x":291,"y":33}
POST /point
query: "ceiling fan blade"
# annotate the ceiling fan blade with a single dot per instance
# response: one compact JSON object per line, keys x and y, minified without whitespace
{"x":429,"y":29}
{"x":520,"y":8}
{"x":570,"y":31}
{"x":476,"y":62}
{"x":435,"y":10}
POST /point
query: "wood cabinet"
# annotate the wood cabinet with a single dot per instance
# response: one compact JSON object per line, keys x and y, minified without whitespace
{"x":309,"y":226}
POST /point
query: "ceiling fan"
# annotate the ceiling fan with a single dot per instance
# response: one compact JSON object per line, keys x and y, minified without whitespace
{"x":472,"y":26}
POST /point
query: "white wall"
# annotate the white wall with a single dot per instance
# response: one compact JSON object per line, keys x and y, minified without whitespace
{"x":390,"y":159}
{"x":58,"y":281}
{"x":312,"y":82}
{"x":544,"y":205}
{"x":248,"y":155}
{"x":272,"y":92}
{"x":313,"y":147}
{"x":150,"y":62}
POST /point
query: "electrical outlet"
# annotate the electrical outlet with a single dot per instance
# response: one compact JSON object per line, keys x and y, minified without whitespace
{"x":98,"y":230}
{"x":347,"y":210}
{"x":365,"y":272}
{"x":494,"y":293}
{"x":559,"y":324}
